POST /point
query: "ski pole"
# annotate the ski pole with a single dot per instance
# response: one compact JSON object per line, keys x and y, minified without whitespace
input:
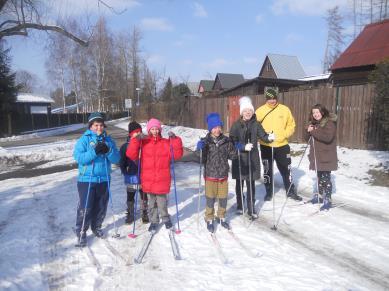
{"x":274,"y":227}
{"x":133,"y":235}
{"x":240,"y":180}
{"x":287,"y":197}
{"x":116,"y":235}
{"x":86,"y":205}
{"x":317,"y":178}
{"x":178,"y":231}
{"x":199,"y":194}
{"x":251,"y":185}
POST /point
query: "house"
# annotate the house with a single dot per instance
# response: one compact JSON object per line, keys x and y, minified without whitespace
{"x":356,"y":63}
{"x":193,"y":87}
{"x":205,"y":87}
{"x":226,"y":81}
{"x":28,"y":103}
{"x":281,"y":67}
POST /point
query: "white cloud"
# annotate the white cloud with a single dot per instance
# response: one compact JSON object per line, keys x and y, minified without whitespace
{"x":77,"y":7}
{"x":160,"y":24}
{"x":259,"y":18}
{"x":305,"y":7}
{"x":199,"y":10}
{"x":250,"y":60}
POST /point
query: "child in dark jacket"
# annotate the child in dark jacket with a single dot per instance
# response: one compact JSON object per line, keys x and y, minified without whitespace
{"x":130,"y":172}
{"x":155,"y":153}
{"x":217,"y":149}
{"x":94,"y":153}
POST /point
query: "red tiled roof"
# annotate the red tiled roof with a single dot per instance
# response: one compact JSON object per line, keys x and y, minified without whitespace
{"x":370,"y":47}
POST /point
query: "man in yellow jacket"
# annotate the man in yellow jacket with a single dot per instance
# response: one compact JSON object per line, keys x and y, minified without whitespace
{"x":278,"y":119}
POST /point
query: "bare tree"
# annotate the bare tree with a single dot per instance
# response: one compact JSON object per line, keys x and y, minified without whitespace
{"x":335,"y":37}
{"x":18,"y":17}
{"x":27,"y":81}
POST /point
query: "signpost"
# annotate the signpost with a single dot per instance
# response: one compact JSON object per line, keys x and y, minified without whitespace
{"x":128,"y":105}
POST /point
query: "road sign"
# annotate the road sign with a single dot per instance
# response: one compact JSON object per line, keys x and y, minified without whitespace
{"x":127,"y":103}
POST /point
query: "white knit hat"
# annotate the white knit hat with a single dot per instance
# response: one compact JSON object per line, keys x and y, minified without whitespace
{"x":245,"y":103}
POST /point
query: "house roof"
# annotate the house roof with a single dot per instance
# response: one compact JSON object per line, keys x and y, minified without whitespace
{"x":285,"y":67}
{"x":193,"y":87}
{"x":207,"y":85}
{"x":32,"y":98}
{"x":370,"y":47}
{"x":228,"y":81}
{"x":316,"y":77}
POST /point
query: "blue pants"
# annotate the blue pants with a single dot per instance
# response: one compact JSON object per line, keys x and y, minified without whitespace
{"x":96,"y":207}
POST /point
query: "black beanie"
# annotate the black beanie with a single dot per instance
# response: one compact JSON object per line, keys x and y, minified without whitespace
{"x":132,"y":126}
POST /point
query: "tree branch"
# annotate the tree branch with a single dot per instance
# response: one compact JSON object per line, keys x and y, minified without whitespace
{"x":17,"y":30}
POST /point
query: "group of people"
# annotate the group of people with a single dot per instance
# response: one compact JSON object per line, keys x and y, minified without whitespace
{"x":145,"y":163}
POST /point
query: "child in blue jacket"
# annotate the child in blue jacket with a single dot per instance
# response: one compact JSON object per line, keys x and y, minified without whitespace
{"x":94,"y":153}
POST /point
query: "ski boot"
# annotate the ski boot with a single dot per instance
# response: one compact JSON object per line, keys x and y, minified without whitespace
{"x":130,"y":212}
{"x":210,"y":226}
{"x":168,"y":224}
{"x":98,"y":233}
{"x":153,"y":227}
{"x":294,"y":196}
{"x":326,"y":205}
{"x":316,"y":199}
{"x":81,"y":240}
{"x":223,"y":223}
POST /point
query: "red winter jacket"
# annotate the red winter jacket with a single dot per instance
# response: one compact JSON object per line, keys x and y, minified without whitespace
{"x":155,"y":161}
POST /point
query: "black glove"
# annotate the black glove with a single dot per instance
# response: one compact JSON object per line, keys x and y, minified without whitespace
{"x":101,"y":148}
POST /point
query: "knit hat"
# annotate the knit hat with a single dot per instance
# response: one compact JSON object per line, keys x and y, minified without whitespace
{"x":271,"y":94}
{"x":245,"y":103}
{"x":95,"y":116}
{"x":213,"y":120}
{"x":153,"y":123}
{"x":133,"y":126}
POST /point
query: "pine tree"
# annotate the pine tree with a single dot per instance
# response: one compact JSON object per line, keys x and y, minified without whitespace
{"x":8,"y":89}
{"x":167,"y":92}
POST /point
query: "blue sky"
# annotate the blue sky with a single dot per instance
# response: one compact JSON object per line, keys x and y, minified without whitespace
{"x":194,"y":40}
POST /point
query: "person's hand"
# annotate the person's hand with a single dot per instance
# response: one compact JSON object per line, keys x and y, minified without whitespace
{"x":239,"y":146}
{"x":310,"y":128}
{"x":101,"y":148}
{"x":271,"y":137}
{"x":200,"y":145}
{"x":248,"y":147}
{"x":171,"y":134}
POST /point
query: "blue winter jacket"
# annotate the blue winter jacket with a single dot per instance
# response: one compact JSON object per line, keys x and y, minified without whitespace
{"x":94,"y":167}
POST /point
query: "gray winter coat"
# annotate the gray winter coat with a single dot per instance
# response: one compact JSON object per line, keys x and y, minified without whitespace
{"x":216,"y":153}
{"x":243,"y":132}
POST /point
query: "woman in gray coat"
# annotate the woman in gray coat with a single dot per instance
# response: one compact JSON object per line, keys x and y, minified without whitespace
{"x":245,"y":133}
{"x":323,"y":159}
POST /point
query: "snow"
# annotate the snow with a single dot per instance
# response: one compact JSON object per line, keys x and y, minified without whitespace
{"x":345,"y":248}
{"x":30,"y":98}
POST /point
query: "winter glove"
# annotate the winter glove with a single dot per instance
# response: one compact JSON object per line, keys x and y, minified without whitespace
{"x":200,"y":145}
{"x":271,"y":137}
{"x":248,"y":147}
{"x":101,"y":148}
{"x":171,"y":134}
{"x":239,"y":146}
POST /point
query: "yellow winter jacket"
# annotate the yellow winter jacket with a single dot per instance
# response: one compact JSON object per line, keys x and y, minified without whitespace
{"x":280,"y":121}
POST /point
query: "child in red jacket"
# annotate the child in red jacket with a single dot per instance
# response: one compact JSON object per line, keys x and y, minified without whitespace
{"x":155,"y":156}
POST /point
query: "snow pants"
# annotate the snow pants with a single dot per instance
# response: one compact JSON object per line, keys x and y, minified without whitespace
{"x":283,"y":162}
{"x":215,"y":190}
{"x":325,"y":184}
{"x":96,"y":207}
{"x":158,"y":207}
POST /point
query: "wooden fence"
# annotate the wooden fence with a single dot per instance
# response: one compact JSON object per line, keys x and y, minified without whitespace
{"x":357,"y":126}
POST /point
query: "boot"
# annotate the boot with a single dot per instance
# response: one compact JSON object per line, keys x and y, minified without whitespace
{"x":294,"y":196}
{"x":81,"y":241}
{"x":316,"y":199}
{"x":153,"y":227}
{"x":210,"y":226}
{"x":168,"y":224}
{"x":223,"y":223}
{"x":98,"y":233}
{"x":327,"y":204}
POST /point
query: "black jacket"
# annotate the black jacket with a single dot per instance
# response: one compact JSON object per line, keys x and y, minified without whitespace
{"x":216,"y":153}
{"x":248,"y":132}
{"x":127,"y":166}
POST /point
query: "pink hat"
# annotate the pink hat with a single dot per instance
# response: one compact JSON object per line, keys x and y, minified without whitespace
{"x":153,"y":123}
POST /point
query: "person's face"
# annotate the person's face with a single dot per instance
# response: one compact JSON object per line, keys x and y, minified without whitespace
{"x":247,"y":114}
{"x":97,"y":127}
{"x":216,"y":131}
{"x":154,"y":131}
{"x":316,"y":114}
{"x":271,"y":102}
